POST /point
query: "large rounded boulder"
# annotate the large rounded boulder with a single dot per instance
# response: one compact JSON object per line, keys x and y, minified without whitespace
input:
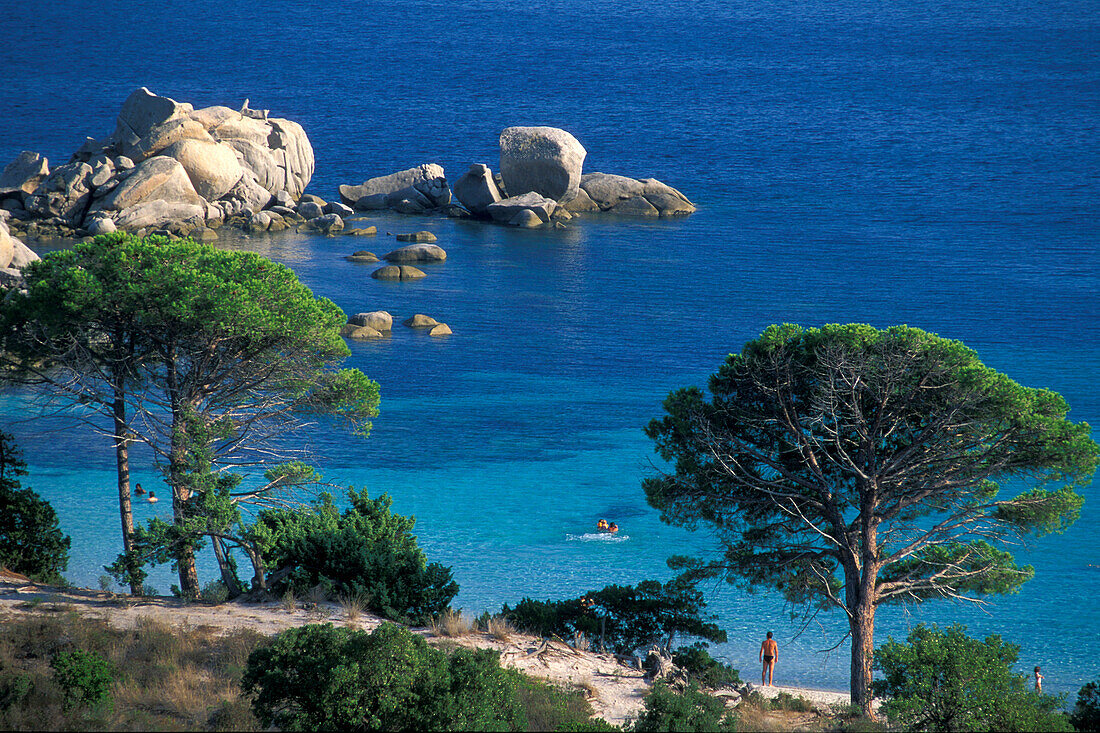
{"x":212,"y":168}
{"x":545,"y":160}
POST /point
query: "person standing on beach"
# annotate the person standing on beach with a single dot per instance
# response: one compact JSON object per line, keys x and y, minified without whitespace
{"x":769,"y":655}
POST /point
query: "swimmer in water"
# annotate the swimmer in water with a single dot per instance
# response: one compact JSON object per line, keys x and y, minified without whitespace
{"x":138,"y":491}
{"x":612,"y":528}
{"x":152,"y":498}
{"x":601,"y":526}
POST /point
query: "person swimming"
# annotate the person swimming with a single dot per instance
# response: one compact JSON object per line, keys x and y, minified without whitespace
{"x":152,"y":498}
{"x":601,"y":526}
{"x":612,"y":528}
{"x":138,"y":491}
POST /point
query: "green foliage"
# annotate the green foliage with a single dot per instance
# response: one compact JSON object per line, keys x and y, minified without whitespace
{"x":626,"y":617}
{"x":85,"y":679}
{"x":548,"y":707}
{"x":366,"y":551}
{"x":705,"y":669}
{"x":1086,"y":711}
{"x":826,"y":457}
{"x":31,"y":541}
{"x":214,"y":592}
{"x":228,"y":342}
{"x":802,"y":423}
{"x":944,"y":680}
{"x":321,"y":677}
{"x":690,"y":710}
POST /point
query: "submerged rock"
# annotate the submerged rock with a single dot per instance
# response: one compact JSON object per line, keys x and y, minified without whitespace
{"x":417,"y":237}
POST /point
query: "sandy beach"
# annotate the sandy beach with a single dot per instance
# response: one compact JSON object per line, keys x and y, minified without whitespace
{"x":615,"y":690}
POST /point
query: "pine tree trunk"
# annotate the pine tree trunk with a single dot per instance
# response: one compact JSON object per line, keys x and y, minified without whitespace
{"x":185,"y":555}
{"x":122,"y":460}
{"x":228,"y":577}
{"x":862,"y":624}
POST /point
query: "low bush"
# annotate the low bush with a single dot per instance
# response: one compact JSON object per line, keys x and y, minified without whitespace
{"x":84,"y":678}
{"x":690,"y":710}
{"x":944,"y":680}
{"x":214,"y":592}
{"x":624,"y":618}
{"x":1086,"y":711}
{"x":321,"y":677}
{"x":164,"y":677}
{"x":705,"y":669}
{"x":31,"y":541}
{"x":365,"y":551}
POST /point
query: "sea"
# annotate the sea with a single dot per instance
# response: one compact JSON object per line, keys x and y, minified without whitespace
{"x":929,"y":163}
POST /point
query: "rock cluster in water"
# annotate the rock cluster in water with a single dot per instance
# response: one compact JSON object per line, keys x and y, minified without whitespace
{"x":168,"y":166}
{"x":540,"y":183}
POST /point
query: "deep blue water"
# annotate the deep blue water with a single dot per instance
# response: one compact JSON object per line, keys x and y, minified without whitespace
{"x":933,"y":164}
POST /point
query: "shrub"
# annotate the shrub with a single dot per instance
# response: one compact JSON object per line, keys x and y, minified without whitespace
{"x":31,"y":542}
{"x":321,"y":677}
{"x":1086,"y":712}
{"x":690,"y":710}
{"x":214,"y":592}
{"x":85,"y":679}
{"x":705,"y":669}
{"x":551,"y":708}
{"x":366,"y":551}
{"x":626,"y":618}
{"x":944,"y":680}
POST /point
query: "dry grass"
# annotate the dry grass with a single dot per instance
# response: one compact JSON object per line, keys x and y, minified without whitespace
{"x":353,"y":606}
{"x":166,"y":677}
{"x":590,"y":690}
{"x":290,"y":603}
{"x":581,"y":642}
{"x":500,"y":628}
{"x":452,"y":624}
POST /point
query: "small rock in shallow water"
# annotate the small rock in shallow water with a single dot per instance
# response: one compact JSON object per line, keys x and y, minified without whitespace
{"x":362,"y":256}
{"x":420,"y":321}
{"x":395,"y":272}
{"x":419,"y":237}
{"x":441,"y":329}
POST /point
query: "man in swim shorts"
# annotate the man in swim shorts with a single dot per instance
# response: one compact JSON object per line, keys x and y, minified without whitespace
{"x":769,"y":655}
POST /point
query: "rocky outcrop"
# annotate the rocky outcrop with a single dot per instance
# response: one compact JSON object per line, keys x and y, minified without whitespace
{"x":630,"y":196}
{"x":506,"y":209}
{"x":411,"y":191}
{"x":165,"y":159}
{"x":14,"y":256}
{"x":416,"y":253}
{"x":213,"y":169}
{"x":24,"y":174}
{"x":362,"y":256}
{"x":476,"y":190}
{"x":545,"y":160}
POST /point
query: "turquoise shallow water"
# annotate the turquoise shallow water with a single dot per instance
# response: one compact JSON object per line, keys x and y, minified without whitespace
{"x":931,"y":165}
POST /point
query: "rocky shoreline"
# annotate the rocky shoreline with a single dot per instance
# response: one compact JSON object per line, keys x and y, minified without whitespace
{"x":170,"y":168}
